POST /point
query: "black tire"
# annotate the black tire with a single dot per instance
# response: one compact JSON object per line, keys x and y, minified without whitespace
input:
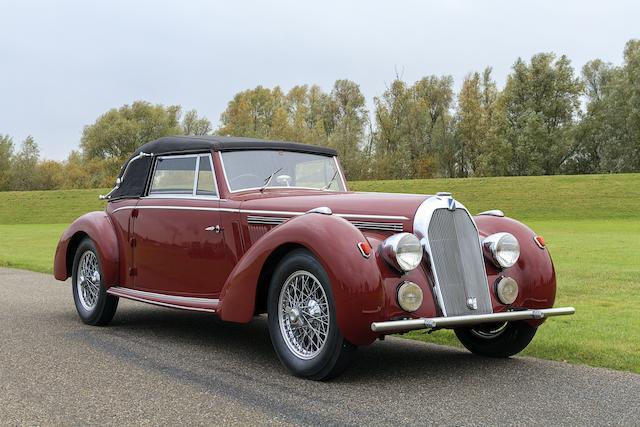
{"x":101,"y":312}
{"x":335,"y":354}
{"x":492,"y":341}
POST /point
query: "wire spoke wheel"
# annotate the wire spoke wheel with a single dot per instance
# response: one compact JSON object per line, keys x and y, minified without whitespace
{"x":303,"y":314}
{"x":88,"y":280}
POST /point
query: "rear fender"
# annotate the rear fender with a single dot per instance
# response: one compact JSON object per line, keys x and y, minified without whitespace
{"x":356,"y":281}
{"x":99,"y":228}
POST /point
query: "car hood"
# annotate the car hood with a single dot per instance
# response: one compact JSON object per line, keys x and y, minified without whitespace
{"x":355,"y":206}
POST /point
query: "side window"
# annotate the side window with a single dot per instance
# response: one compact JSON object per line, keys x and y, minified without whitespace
{"x":205,"y":185}
{"x":183,"y":176}
{"x":174,"y":175}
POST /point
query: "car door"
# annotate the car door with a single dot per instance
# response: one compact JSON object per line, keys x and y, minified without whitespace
{"x":178,"y":241}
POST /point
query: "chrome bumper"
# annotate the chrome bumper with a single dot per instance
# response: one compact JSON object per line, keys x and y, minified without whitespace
{"x":461,"y":321}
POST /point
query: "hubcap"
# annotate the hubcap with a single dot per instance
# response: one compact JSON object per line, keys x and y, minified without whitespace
{"x":489,"y":331}
{"x":303,"y":314}
{"x":88,"y":280}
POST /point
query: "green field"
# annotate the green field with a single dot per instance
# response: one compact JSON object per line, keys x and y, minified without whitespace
{"x":591,"y":224}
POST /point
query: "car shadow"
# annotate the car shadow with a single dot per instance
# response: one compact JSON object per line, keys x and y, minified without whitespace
{"x":204,"y":334}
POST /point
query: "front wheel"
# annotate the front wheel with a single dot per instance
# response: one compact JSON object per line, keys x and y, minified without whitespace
{"x":497,"y":340}
{"x":302,"y":319}
{"x":94,"y":305}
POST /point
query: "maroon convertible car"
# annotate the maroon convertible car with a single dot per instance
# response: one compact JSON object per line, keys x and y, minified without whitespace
{"x":237,"y":227}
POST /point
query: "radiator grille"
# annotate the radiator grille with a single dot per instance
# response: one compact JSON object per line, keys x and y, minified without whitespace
{"x":457,"y":262}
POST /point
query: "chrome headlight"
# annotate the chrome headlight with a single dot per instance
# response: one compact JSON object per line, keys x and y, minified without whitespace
{"x":402,"y":251}
{"x":503,"y":249}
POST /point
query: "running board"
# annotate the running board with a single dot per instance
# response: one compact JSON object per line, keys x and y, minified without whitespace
{"x":208,"y":305}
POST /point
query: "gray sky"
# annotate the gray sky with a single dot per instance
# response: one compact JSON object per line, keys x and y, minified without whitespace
{"x":64,"y":63}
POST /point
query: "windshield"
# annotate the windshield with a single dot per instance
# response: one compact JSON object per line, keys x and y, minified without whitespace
{"x":266,"y":168}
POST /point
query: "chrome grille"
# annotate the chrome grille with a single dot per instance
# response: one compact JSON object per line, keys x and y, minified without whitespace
{"x":457,"y":263}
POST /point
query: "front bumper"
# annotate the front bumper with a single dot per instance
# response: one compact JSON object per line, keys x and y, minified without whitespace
{"x":463,"y":321}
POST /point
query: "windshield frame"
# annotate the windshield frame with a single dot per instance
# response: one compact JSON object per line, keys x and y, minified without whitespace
{"x":339,"y":176}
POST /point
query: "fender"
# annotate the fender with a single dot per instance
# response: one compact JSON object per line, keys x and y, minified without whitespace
{"x":534,"y":270}
{"x":99,"y":228}
{"x":356,"y":281}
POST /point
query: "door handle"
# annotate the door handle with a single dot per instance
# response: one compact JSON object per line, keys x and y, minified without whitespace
{"x":214,"y":228}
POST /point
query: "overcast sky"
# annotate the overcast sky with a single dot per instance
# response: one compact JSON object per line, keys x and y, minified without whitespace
{"x":63,"y":63}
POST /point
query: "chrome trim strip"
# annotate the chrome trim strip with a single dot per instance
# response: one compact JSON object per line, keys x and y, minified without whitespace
{"x":147,"y":297}
{"x":270,"y":220}
{"x":257,"y":211}
{"x":383,"y":226}
{"x":458,"y":321}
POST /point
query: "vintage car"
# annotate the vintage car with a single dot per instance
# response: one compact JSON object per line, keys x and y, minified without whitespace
{"x":239,"y":227}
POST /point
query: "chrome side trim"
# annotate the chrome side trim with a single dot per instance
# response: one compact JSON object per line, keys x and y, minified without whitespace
{"x":269,"y":220}
{"x":382,"y":226}
{"x":461,"y":321}
{"x":173,"y":301}
{"x":257,"y":211}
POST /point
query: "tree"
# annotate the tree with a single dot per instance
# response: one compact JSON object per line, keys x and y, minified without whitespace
{"x":593,"y":134}
{"x":258,"y":113}
{"x":349,"y":118}
{"x":541,"y":101}
{"x":413,"y":128}
{"x":6,"y":160}
{"x":471,"y":125}
{"x":194,"y":125}
{"x":24,"y":174}
{"x":118,"y":132}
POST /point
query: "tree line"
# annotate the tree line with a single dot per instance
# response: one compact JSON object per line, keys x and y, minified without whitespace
{"x":547,"y":119}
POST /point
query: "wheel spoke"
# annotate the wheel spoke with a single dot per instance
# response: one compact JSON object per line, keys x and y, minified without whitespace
{"x":304,"y":314}
{"x":88,"y":280}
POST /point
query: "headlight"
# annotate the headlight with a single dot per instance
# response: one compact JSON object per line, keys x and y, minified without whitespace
{"x":507,"y":290}
{"x":409,"y":296}
{"x":503,"y":248}
{"x":402,"y":251}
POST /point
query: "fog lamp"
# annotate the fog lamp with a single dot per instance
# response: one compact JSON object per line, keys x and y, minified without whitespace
{"x":507,"y":290}
{"x":409,"y":296}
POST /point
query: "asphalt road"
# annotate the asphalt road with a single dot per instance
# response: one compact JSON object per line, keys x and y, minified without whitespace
{"x":160,"y":366}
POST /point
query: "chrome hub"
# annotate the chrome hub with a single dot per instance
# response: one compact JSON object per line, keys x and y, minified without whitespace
{"x":303,"y":315}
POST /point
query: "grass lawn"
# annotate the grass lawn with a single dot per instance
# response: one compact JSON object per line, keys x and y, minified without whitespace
{"x":591,"y":225}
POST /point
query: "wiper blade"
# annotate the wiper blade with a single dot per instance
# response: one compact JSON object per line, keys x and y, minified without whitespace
{"x":330,"y":181}
{"x":268,"y":179}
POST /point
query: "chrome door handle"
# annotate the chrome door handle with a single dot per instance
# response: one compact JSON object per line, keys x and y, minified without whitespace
{"x":215,"y":228}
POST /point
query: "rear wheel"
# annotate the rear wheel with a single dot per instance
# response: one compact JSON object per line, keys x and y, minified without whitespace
{"x":302,"y":319}
{"x":497,"y":340}
{"x":94,"y":305}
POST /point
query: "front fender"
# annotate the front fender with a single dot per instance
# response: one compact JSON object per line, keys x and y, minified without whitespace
{"x":356,"y":281}
{"x":99,"y":228}
{"x":534,"y":270}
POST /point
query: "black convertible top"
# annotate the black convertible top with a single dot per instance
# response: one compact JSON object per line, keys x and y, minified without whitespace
{"x":134,"y":174}
{"x":188,"y":144}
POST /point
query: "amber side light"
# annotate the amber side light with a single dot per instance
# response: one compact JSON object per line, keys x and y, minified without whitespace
{"x":365,"y":249}
{"x":539,"y":241}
